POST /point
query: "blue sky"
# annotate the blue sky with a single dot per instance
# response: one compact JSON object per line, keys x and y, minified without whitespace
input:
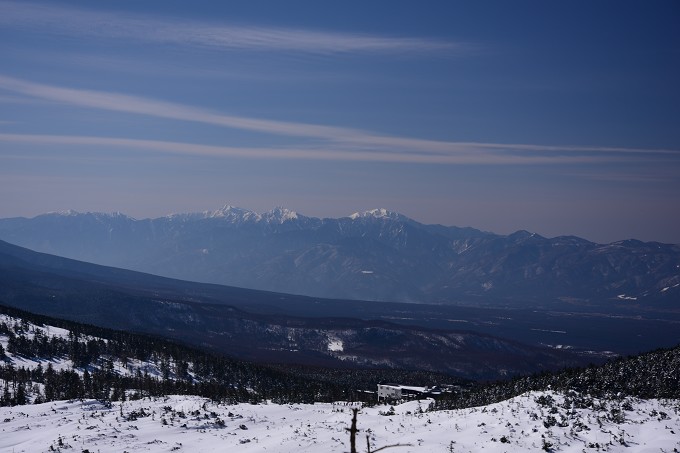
{"x":555,"y":117}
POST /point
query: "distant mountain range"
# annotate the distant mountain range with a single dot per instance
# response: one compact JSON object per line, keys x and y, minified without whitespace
{"x":374,"y":255}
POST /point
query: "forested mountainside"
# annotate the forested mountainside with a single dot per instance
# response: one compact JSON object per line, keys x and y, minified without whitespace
{"x":45,"y":359}
{"x":650,"y":375}
{"x":375,"y":255}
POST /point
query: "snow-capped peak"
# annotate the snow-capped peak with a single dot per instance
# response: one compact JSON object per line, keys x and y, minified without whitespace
{"x":235,"y":215}
{"x":232,"y":212}
{"x":97,"y":215}
{"x":65,"y":213}
{"x":228,"y":213}
{"x":380,"y":213}
{"x":279,"y":215}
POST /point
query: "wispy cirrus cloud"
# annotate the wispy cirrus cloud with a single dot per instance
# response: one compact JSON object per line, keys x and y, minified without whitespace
{"x":80,"y":22}
{"x":330,"y":141}
{"x":287,"y":153}
{"x":162,"y":109}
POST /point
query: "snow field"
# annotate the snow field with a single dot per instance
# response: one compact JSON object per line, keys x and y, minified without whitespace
{"x":194,"y":424}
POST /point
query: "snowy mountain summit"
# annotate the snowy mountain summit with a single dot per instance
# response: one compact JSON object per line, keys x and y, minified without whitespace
{"x":233,"y":214}
{"x":279,"y":215}
{"x":93,"y":215}
{"x":237,"y":215}
{"x":379,"y":213}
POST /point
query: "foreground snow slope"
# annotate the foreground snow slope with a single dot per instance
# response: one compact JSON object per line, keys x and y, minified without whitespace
{"x":195,"y":425}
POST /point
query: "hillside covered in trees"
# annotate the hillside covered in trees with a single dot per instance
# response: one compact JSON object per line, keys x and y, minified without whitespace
{"x":654,"y":374}
{"x":47,"y":359}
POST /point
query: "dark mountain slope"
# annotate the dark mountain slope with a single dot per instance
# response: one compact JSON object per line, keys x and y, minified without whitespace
{"x":78,"y":291}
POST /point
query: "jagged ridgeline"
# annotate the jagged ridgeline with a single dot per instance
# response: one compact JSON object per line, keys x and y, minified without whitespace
{"x":48,"y":359}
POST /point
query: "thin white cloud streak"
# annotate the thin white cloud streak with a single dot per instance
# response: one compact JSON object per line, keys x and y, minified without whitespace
{"x":349,"y":138}
{"x":143,"y":106}
{"x":79,"y":22}
{"x":327,"y":154}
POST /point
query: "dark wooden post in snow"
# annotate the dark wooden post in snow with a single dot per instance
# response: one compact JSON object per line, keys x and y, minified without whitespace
{"x":353,"y":431}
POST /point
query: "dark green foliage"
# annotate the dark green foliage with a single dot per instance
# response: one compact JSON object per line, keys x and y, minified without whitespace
{"x":650,"y":375}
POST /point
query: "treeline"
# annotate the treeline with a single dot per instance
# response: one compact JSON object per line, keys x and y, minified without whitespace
{"x":362,"y":378}
{"x":654,"y":374}
{"x":22,"y":385}
{"x":183,"y":370}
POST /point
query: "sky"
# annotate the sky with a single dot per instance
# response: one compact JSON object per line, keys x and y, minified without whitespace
{"x":561,"y":118}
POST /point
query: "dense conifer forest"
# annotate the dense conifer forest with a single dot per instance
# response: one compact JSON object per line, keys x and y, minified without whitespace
{"x":654,"y":374}
{"x":110,"y":365}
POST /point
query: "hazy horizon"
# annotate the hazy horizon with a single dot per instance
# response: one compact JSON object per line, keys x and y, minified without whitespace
{"x":560,"y":119}
{"x":306,"y":214}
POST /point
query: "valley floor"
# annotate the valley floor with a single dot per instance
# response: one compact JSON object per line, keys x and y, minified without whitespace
{"x":529,"y":422}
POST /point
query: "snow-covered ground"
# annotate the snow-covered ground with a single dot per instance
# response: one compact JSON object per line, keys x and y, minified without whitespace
{"x":193,"y":424}
{"x":128,"y":368}
{"x":536,"y":421}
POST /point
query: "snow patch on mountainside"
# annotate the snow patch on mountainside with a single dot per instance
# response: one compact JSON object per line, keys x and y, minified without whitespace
{"x":279,"y":215}
{"x":30,"y":331}
{"x":663,"y":290}
{"x":335,"y":345}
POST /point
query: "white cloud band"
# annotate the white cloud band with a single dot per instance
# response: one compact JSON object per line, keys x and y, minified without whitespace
{"x":80,"y":22}
{"x":340,"y":143}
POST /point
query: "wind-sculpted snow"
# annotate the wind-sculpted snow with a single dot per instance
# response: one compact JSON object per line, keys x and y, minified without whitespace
{"x":534,"y":421}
